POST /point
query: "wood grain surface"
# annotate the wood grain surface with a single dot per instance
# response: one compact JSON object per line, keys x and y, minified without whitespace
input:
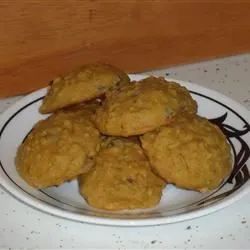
{"x":41,"y":39}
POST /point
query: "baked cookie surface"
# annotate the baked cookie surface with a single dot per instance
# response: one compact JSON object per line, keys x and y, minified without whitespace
{"x":58,"y":149}
{"x":143,"y":106}
{"x":121,"y":179}
{"x":83,"y":84}
{"x":191,"y":153}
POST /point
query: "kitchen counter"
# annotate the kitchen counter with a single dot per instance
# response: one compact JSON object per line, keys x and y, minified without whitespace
{"x":24,"y":227}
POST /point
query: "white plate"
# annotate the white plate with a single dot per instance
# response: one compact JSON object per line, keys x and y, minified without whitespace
{"x":176,"y":204}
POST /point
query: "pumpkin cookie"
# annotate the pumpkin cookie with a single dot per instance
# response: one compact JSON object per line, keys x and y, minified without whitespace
{"x":143,"y":106}
{"x":191,"y":153}
{"x":121,"y":179}
{"x":86,"y":83}
{"x":58,"y":149}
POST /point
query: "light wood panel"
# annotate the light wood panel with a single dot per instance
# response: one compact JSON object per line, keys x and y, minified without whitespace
{"x":41,"y":39}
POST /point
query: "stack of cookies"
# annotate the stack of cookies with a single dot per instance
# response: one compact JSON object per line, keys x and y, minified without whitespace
{"x":124,"y":141}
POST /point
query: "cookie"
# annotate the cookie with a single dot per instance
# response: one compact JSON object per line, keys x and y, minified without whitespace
{"x":143,"y":106}
{"x":58,"y":149}
{"x":191,"y":153}
{"x":121,"y":179}
{"x":86,"y":83}
{"x":88,"y":108}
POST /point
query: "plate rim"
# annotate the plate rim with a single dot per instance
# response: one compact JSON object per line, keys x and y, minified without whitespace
{"x":27,"y":199}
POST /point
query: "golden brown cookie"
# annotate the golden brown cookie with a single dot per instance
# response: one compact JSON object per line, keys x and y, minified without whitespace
{"x":86,"y":83}
{"x":191,"y":153}
{"x":141,"y":107}
{"x":58,"y":149}
{"x":121,"y":179}
{"x":86,"y":108}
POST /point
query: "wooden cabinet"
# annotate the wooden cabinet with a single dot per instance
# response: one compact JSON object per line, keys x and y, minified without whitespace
{"x":40,"y":39}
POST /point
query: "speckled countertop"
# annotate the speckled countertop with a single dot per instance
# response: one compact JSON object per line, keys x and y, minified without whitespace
{"x":25,"y":227}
